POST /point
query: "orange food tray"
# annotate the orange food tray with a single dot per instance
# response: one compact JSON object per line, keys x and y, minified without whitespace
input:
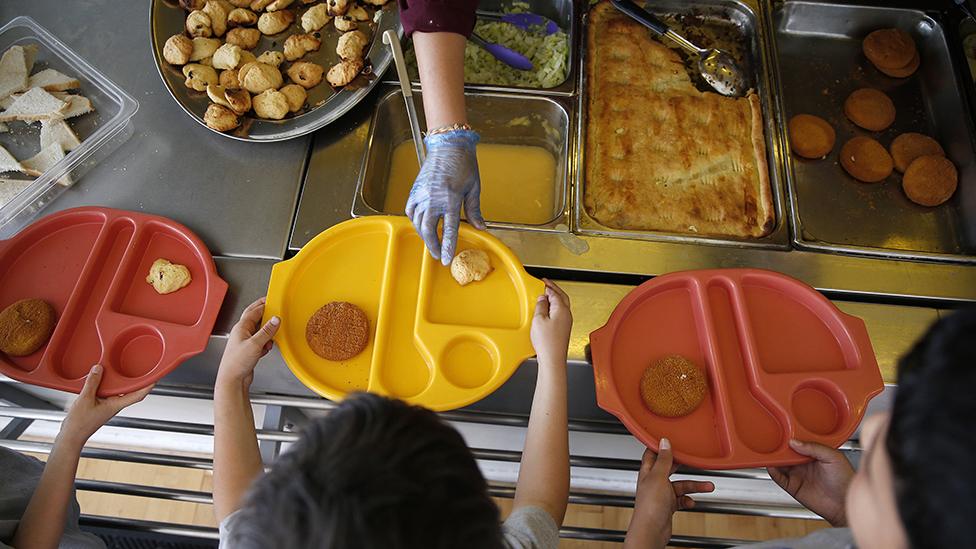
{"x":431,"y":341}
{"x":91,"y":265}
{"x":781,"y":362}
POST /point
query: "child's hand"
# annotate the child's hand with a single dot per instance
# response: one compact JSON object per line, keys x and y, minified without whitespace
{"x":658,"y":498}
{"x":246,"y":345}
{"x":551,"y":325}
{"x":88,"y":412}
{"x":820,"y":485}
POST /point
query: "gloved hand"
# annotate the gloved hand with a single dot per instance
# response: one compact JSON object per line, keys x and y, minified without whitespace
{"x":448,"y":179}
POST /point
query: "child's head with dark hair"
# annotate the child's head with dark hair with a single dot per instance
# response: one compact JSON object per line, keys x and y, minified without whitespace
{"x":916,"y":486}
{"x":374,"y":473}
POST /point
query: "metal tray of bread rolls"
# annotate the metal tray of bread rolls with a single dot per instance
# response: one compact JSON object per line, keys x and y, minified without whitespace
{"x":830,"y":210}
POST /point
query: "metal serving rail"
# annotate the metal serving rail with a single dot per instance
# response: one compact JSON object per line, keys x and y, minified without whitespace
{"x":32,"y":409}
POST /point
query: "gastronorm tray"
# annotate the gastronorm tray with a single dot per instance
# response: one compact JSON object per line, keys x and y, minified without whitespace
{"x":563,"y":13}
{"x":324,"y":104}
{"x":91,"y":265}
{"x":780,"y":359}
{"x":100,"y":132}
{"x":500,"y":119}
{"x":830,"y":210}
{"x":432,"y":342}
{"x":731,"y":25}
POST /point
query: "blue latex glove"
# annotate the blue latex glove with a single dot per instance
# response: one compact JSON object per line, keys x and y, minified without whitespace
{"x":448,"y":179}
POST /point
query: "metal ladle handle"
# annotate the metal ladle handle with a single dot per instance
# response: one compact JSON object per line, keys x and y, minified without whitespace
{"x":391,"y":39}
{"x":650,"y":21}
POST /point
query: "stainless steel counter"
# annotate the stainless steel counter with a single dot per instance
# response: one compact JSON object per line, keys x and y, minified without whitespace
{"x":239,"y":197}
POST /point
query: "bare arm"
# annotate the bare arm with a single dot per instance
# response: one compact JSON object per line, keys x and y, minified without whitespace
{"x":440,"y":59}
{"x":544,"y":472}
{"x":237,"y":460}
{"x":42,"y":525}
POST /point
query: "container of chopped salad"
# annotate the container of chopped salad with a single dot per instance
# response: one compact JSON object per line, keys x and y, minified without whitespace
{"x":550,"y":46}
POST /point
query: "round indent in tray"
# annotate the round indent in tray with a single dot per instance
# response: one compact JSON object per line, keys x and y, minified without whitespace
{"x":817,"y":407}
{"x":468,"y":363}
{"x":136,"y":352}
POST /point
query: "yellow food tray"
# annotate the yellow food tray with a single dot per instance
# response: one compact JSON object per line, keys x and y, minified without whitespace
{"x":432,"y":341}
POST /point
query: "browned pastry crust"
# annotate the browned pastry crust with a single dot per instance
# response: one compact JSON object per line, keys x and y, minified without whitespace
{"x":870,"y":109}
{"x":811,"y":136}
{"x":866,"y":160}
{"x":26,"y":326}
{"x":930,"y":180}
{"x":909,"y":146}
{"x":660,"y":155}
{"x":673,"y":386}
{"x":337,"y":331}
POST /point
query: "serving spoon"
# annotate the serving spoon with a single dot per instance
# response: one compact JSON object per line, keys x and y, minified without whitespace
{"x":716,"y":66}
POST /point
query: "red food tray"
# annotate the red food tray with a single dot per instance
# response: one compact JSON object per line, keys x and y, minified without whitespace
{"x":91,"y":265}
{"x":781,"y":362}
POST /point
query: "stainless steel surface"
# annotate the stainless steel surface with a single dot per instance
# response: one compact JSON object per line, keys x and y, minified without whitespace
{"x":715,"y":66}
{"x":833,"y":212}
{"x":393,"y":41}
{"x":500,"y":119}
{"x":325,"y":104}
{"x":564,"y":14}
{"x":239,"y":197}
{"x":737,"y":28}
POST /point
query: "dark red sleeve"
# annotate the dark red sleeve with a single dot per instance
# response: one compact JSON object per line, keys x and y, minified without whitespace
{"x":438,"y":16}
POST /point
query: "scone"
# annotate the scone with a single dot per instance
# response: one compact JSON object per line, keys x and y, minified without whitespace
{"x":470,"y":266}
{"x":26,"y":326}
{"x":337,"y":331}
{"x":673,"y":386}
{"x":167,"y":277}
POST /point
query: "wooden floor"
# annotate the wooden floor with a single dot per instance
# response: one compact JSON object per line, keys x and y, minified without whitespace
{"x":697,"y":524}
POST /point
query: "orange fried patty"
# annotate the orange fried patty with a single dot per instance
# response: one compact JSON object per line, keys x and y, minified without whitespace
{"x":673,"y":386}
{"x":25,"y":326}
{"x":338,"y":331}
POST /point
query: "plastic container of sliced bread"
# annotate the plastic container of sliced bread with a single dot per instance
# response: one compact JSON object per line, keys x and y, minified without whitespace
{"x":100,"y":131}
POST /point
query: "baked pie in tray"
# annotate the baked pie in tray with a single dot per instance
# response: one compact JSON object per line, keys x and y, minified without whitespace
{"x":661,"y":155}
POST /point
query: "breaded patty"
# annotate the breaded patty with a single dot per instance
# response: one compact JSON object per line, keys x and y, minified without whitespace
{"x":337,"y":331}
{"x":866,"y":160}
{"x":26,"y":326}
{"x":673,"y":386}
{"x":870,"y":109}
{"x":909,"y":146}
{"x":930,"y":180}
{"x":811,"y":136}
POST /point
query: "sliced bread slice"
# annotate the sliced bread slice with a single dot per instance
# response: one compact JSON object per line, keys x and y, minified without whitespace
{"x":8,"y":163}
{"x":52,"y":80}
{"x":30,"y":54}
{"x":10,"y":188}
{"x":44,"y":160}
{"x":77,"y":105}
{"x":58,"y":131}
{"x":4,"y":128}
{"x":34,"y":104}
{"x":13,"y":71}
{"x":7,"y":101}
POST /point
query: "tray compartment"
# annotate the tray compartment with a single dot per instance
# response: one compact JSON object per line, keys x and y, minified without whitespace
{"x":881,"y":220}
{"x":82,"y":347}
{"x":135,"y":297}
{"x":394,"y":371}
{"x":734,"y":26}
{"x":58,"y":248}
{"x":469,"y":362}
{"x":500,"y":119}
{"x":328,"y":283}
{"x":647,"y":337}
{"x":759,"y":422}
{"x":136,"y":351}
{"x":819,"y":408}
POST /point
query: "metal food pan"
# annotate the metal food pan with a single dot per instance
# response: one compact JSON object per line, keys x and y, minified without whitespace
{"x":500,"y":118}
{"x":324,"y":104}
{"x":731,"y":25}
{"x":820,"y":63}
{"x":563,"y":13}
